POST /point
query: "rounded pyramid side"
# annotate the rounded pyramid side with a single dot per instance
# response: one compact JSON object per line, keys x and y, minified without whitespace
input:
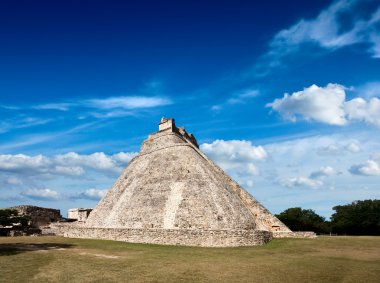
{"x":170,"y":185}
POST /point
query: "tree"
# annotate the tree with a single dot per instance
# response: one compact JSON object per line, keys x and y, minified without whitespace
{"x":357,"y":218}
{"x":298,"y":219}
{"x":10,"y":216}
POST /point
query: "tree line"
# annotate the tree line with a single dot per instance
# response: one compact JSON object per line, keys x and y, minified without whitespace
{"x":361,"y":217}
{"x":9,"y":217}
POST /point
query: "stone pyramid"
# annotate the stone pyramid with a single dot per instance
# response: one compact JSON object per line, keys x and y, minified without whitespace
{"x":171,"y":193}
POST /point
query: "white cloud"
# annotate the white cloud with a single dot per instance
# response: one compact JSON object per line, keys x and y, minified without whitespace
{"x":340,"y":148}
{"x":234,"y":150}
{"x":46,"y":194}
{"x":109,"y":107}
{"x":14,"y":181}
{"x":327,"y":105}
{"x":240,"y":97}
{"x":236,"y":157}
{"x":111,"y":114}
{"x":21,"y":123}
{"x":324,"y":172}
{"x":376,"y":156}
{"x":127,"y":102}
{"x":363,"y":110}
{"x":55,"y":106}
{"x":243,"y":96}
{"x":368,"y":168}
{"x":69,"y":164}
{"x":353,"y":147}
{"x":216,"y":108}
{"x":315,"y":180}
{"x":322,"y":104}
{"x":124,"y":157}
{"x":94,"y":194}
{"x":293,"y":163}
{"x":302,"y":182}
{"x":338,"y":26}
{"x":20,"y":162}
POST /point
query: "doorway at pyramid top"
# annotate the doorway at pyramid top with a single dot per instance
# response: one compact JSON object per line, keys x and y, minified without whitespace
{"x":168,"y":125}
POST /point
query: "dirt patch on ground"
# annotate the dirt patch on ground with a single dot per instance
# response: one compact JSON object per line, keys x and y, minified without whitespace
{"x":99,"y":255}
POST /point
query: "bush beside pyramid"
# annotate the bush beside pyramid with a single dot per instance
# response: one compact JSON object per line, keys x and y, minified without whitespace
{"x":171,"y":193}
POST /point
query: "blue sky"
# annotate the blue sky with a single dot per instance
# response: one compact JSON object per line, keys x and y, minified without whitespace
{"x":283,"y":95}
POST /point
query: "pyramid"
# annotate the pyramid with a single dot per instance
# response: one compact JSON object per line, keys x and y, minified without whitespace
{"x":172,"y":193}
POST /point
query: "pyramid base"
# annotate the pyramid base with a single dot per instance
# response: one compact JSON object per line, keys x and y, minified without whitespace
{"x":183,"y":237}
{"x":291,"y":234}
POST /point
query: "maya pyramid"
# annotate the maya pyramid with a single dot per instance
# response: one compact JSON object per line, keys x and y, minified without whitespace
{"x":171,"y":193}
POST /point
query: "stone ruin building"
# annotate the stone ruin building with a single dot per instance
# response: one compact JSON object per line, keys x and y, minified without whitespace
{"x":40,"y":220}
{"x":172,"y":193}
{"x":78,"y":214}
{"x":40,"y":216}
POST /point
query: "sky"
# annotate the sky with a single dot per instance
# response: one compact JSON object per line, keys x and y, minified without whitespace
{"x":283,"y":95}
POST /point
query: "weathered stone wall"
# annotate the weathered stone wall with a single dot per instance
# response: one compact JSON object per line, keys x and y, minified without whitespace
{"x":299,"y":234}
{"x":79,"y":214}
{"x":185,"y":237}
{"x":264,"y":219}
{"x":40,"y":216}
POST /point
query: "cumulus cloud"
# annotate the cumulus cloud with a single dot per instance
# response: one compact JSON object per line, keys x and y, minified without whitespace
{"x":363,"y":110}
{"x":237,"y":157}
{"x":339,"y":148}
{"x":42,"y":194}
{"x":302,"y":182}
{"x":327,"y":105}
{"x":69,"y":164}
{"x":322,"y":104}
{"x":318,"y":162}
{"x":234,"y":150}
{"x":93,"y":194}
{"x":368,"y":168}
{"x":342,"y":24}
{"x":315,"y":180}
{"x":324,"y":172}
{"x":353,"y":147}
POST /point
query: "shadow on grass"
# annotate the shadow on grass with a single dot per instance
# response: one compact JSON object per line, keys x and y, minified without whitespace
{"x":16,"y":248}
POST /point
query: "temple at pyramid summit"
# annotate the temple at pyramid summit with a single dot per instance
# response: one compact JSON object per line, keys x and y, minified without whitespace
{"x":172,"y":193}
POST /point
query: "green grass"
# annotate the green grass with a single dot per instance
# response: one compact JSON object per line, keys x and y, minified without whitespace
{"x":57,"y":259}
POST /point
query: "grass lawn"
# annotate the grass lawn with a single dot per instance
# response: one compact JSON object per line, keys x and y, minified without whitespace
{"x":57,"y":259}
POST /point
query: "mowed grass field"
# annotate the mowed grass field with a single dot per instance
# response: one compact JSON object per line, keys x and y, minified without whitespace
{"x":57,"y":259}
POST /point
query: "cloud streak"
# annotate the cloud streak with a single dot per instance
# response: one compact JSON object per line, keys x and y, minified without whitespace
{"x":109,"y":103}
{"x":344,"y":23}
